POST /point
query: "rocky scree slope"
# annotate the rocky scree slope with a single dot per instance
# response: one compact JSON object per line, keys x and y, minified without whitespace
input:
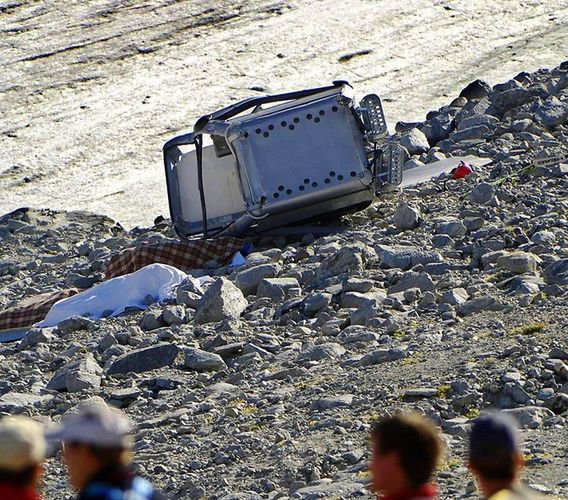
{"x":449,"y":298}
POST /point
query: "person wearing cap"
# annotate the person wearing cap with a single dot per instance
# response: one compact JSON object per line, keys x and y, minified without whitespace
{"x":22,"y":452}
{"x":406,"y":451}
{"x":97,"y":445}
{"x":495,"y":458}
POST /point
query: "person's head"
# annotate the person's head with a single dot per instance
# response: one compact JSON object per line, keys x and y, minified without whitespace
{"x":406,"y":451}
{"x":94,"y":439}
{"x":22,"y":451}
{"x":494,"y":455}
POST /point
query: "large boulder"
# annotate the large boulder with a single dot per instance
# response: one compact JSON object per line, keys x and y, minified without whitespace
{"x":249,"y":279}
{"x":146,"y":359}
{"x":202,"y":361}
{"x":276,"y":288}
{"x":405,"y":257}
{"x":552,"y":112}
{"x":415,"y":142}
{"x":479,"y":304}
{"x":412,"y":279}
{"x":452,"y":228}
{"x":475,"y":90}
{"x":518,"y":262}
{"x":406,"y":217}
{"x":222,"y":300}
{"x":482,"y":193}
{"x":509,"y":99}
{"x":77,"y":375}
{"x":557,"y":273}
{"x":18,"y":402}
{"x":346,"y":259}
{"x":321,"y":351}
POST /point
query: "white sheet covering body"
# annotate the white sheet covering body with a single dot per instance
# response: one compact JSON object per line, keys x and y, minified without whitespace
{"x":158,"y":280}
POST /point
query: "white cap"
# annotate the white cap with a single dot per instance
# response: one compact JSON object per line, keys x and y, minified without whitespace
{"x":21,"y":443}
{"x":97,"y":425}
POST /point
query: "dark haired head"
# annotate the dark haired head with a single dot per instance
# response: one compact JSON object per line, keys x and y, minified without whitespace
{"x":493,"y":447}
{"x":415,"y":440}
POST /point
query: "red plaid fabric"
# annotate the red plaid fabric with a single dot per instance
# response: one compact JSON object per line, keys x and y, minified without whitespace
{"x":193,"y":254}
{"x":32,"y":310}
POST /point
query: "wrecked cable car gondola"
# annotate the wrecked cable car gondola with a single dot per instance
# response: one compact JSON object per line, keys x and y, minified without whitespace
{"x":277,"y":160}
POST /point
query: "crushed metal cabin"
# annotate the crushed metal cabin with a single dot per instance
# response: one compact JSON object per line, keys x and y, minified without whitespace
{"x":272,"y":161}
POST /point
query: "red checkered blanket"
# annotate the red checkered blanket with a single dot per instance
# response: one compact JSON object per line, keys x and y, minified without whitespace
{"x":192,"y":254}
{"x":32,"y":310}
{"x":184,"y":255}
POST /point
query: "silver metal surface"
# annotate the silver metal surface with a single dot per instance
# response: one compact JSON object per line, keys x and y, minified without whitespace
{"x":276,"y":163}
{"x":371,"y":110}
{"x":389,"y":171}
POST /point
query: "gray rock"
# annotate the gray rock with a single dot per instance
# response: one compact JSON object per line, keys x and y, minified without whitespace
{"x":346,"y":259}
{"x":518,"y":262}
{"x":249,"y":279}
{"x":317,"y":301}
{"x":318,"y":352}
{"x":438,"y":128}
{"x":344,"y":401}
{"x":557,"y":403}
{"x":543,"y":238}
{"x":552,"y":112}
{"x":455,"y":297}
{"x":558,"y":353}
{"x":479,"y":304}
{"x":276,"y":288}
{"x":362,"y":315}
{"x":355,"y":299}
{"x":452,"y":228}
{"x":75,"y":323}
{"x":77,"y":375}
{"x":442,"y":240}
{"x":381,"y":356}
{"x":406,"y":217}
{"x":405,"y":257}
{"x":557,"y":273}
{"x":475,"y":90}
{"x":107,"y":341}
{"x":330,"y":489}
{"x":475,"y":120}
{"x":202,"y":361}
{"x":412,"y":279}
{"x":508,"y":99}
{"x":174,"y":315}
{"x":421,"y":392}
{"x":471,"y":133}
{"x":222,"y":300}
{"x":482,"y":193}
{"x":14,"y":403}
{"x":473,"y":223}
{"x":357,"y":333}
{"x":357,"y":285}
{"x":36,"y":336}
{"x":146,"y":359}
{"x":189,"y":292}
{"x":80,"y":281}
{"x":151,"y":320}
{"x":415,"y":142}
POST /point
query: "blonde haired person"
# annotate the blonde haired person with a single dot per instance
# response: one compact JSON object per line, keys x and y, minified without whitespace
{"x":22,"y":452}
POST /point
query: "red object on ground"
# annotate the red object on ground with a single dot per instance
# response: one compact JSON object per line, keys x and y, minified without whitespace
{"x":462,"y":170}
